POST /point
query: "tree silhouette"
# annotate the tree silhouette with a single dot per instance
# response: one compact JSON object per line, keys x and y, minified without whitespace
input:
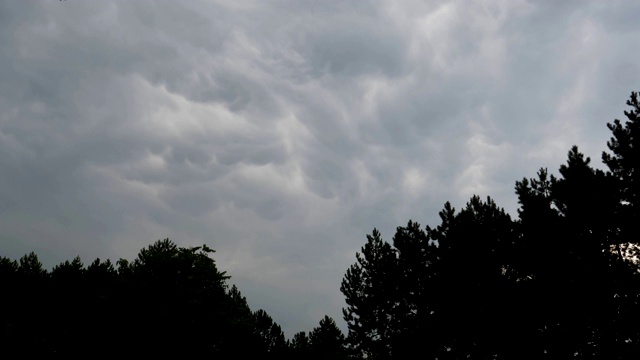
{"x":30,"y":306}
{"x":570,"y":269}
{"x":169,"y":301}
{"x":327,"y":341}
{"x":624,"y":332}
{"x":300,"y":347}
{"x":472,"y":286}
{"x":558,"y":282}
{"x":623,"y":168}
{"x":69,"y":302}
{"x":413,"y":315}
{"x":273,"y":340}
{"x":11,"y":323}
{"x":370,"y":290}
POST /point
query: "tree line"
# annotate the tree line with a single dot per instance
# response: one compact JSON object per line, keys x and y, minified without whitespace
{"x":561,"y":280}
{"x":170,"y":301}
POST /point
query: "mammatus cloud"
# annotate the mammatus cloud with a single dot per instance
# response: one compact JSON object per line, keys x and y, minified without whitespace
{"x":282,"y":133}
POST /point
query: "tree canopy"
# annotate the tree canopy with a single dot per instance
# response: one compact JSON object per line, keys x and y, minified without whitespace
{"x":556,"y":282}
{"x":169,"y":301}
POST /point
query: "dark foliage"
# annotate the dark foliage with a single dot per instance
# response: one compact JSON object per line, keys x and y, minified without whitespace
{"x":559,"y":282}
{"x":327,"y":341}
{"x":169,"y":301}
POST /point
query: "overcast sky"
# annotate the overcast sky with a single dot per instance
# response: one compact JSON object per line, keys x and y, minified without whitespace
{"x":282,"y":132}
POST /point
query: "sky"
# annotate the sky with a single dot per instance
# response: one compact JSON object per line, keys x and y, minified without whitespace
{"x":281,"y":133}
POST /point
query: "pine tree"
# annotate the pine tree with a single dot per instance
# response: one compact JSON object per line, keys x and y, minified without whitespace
{"x":326,"y":342}
{"x":370,"y":289}
{"x":623,"y":164}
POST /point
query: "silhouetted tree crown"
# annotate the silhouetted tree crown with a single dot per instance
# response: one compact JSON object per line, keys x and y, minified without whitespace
{"x":169,"y":301}
{"x":327,"y":341}
{"x":557,"y":282}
